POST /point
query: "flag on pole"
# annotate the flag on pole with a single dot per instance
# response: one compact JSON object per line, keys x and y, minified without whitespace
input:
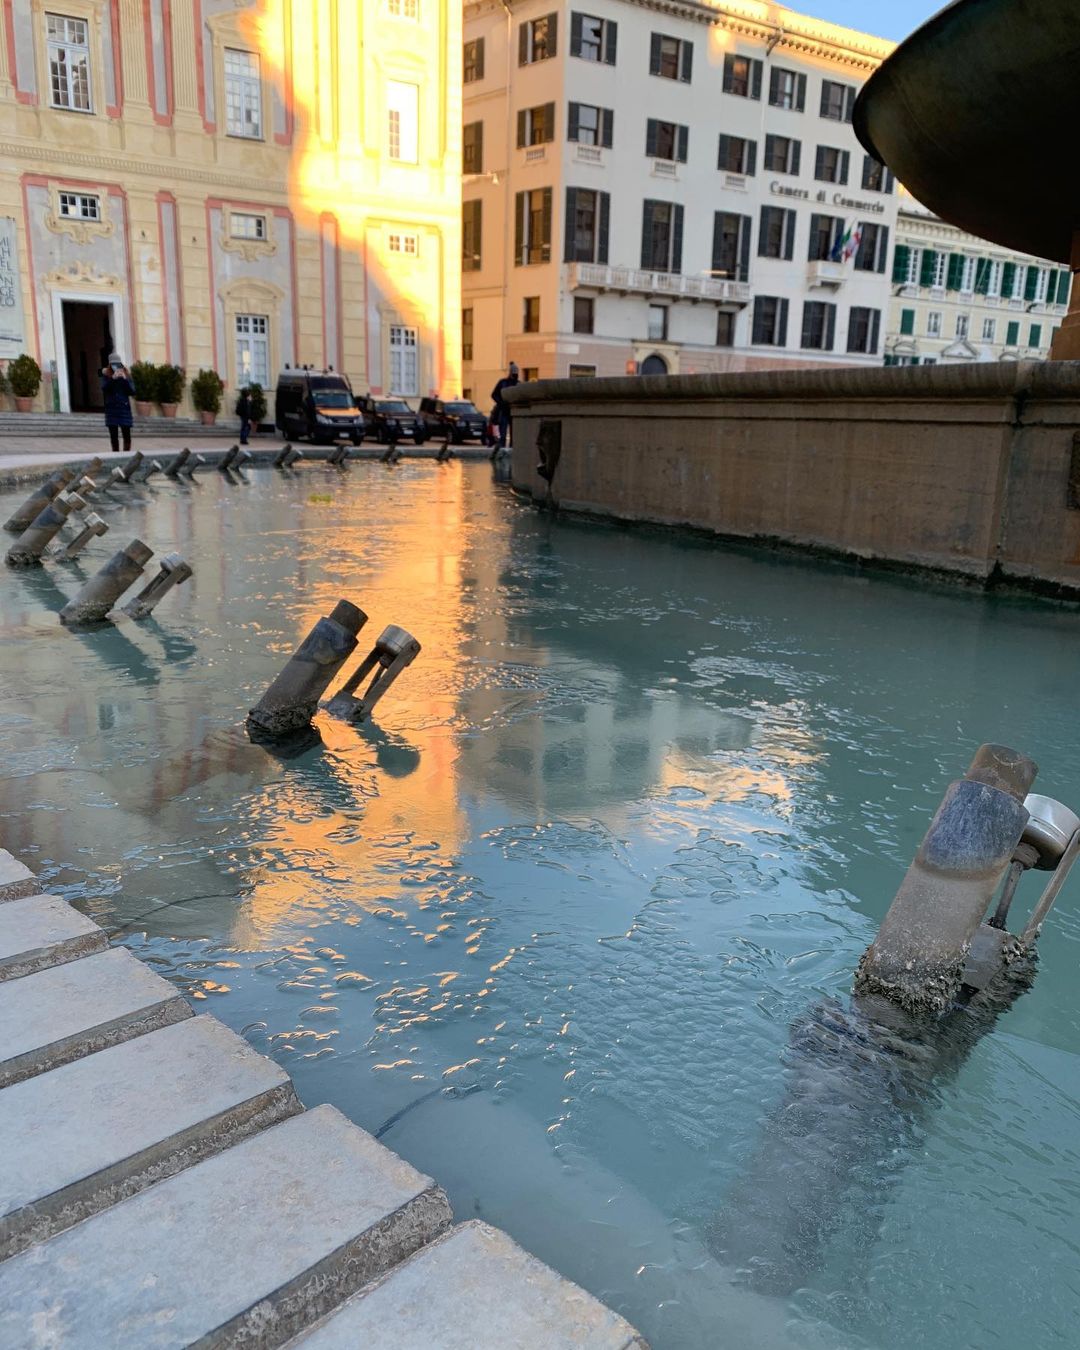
{"x":847,"y":244}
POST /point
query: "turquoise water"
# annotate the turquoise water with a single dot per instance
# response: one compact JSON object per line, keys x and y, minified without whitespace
{"x":638,"y":806}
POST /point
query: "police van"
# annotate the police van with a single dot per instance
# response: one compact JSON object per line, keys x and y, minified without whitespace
{"x":319,"y":405}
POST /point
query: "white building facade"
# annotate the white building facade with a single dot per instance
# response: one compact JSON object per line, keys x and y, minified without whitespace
{"x":957,"y":298}
{"x":668,"y":187}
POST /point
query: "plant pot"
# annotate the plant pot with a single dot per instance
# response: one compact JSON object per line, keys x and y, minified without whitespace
{"x":207,"y":418}
{"x":143,"y":409}
{"x":23,"y":405}
{"x":169,"y":409}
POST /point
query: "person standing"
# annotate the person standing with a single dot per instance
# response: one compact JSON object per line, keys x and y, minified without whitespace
{"x":117,"y":391}
{"x":243,"y":411}
{"x":502,"y":408}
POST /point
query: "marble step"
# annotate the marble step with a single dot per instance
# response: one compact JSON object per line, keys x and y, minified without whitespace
{"x":39,"y":931}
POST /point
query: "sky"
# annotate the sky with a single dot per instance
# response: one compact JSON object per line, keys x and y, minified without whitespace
{"x":887,"y":18}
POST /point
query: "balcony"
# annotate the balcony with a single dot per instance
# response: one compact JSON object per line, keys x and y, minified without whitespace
{"x":826,"y":274}
{"x":632,"y":281}
{"x":588,"y":154}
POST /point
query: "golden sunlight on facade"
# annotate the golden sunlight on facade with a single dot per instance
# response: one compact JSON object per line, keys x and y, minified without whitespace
{"x":232,"y":186}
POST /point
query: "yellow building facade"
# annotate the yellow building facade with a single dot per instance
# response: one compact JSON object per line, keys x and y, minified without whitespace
{"x":235,"y":186}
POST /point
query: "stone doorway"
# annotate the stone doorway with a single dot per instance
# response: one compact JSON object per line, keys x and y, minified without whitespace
{"x":88,"y":340}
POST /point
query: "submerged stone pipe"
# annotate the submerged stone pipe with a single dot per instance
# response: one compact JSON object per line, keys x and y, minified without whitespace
{"x":175,"y":465}
{"x":290,"y":702}
{"x":225,"y":462}
{"x":150,"y":469}
{"x":38,"y":500}
{"x":174,"y":572}
{"x":132,"y":465}
{"x":93,"y":528}
{"x":26,"y":551}
{"x":394,"y":650}
{"x":282,"y":456}
{"x":195,"y":462}
{"x":293,"y":457}
{"x":100,"y":594}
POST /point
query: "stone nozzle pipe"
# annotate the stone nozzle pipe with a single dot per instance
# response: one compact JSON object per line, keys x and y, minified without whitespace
{"x":132,"y":465}
{"x":290,"y":702}
{"x":225,"y":462}
{"x":175,"y":465}
{"x":393,"y":651}
{"x":38,"y":500}
{"x":339,"y":456}
{"x":93,"y":528}
{"x":445,"y":452}
{"x":115,"y":476}
{"x":153,"y":467}
{"x":27,"y":550}
{"x":282,"y":456}
{"x":98,"y":597}
{"x":174,"y":572}
{"x":85,"y":487}
{"x":244,"y":457}
{"x":195,"y":462}
{"x":293,"y":457}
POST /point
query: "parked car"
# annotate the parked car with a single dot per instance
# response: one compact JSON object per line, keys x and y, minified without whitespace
{"x":456,"y":419}
{"x":391,"y":419}
{"x":319,"y":405}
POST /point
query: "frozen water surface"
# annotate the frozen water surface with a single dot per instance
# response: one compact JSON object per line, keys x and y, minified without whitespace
{"x":639,"y":805}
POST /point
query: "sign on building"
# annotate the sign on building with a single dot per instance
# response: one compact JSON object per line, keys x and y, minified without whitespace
{"x":12,"y":337}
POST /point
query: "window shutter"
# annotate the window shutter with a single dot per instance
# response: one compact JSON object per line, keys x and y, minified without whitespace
{"x":479,"y":58}
{"x":789,"y":235}
{"x":572,"y":122}
{"x":890,"y":180}
{"x":607,"y":119}
{"x":875,"y":331}
{"x":907,"y":322}
{"x":717,"y":237}
{"x":759,"y":320}
{"x":521,"y":127}
{"x":774,"y":86}
{"x":549,"y":121}
{"x":755,"y":79}
{"x":781,"y":324}
{"x":849,"y":103}
{"x":723,"y":152}
{"x":650,"y":137}
{"x":729,"y":73}
{"x":611,"y":31}
{"x":575,"y":34}
{"x":845,"y":166}
{"x":570,"y":249}
{"x":745,"y":231}
{"x":686,"y":61}
{"x":830,"y":327}
{"x":900,"y":263}
{"x":545,"y":225}
{"x":1031,"y":283}
{"x":519,"y":228}
{"x":763,"y":231}
{"x":819,"y":163}
{"x":1064,"y":287}
{"x":796,"y":157}
{"x":646,"y":238}
{"x":682,"y":144}
{"x":604,"y":214}
{"x":807,"y":318}
{"x":800,"y":94}
{"x":883,"y":249}
{"x":824,"y":97}
{"x":751,"y":158}
{"x":1008,"y":280}
{"x":1035,"y":336}
{"x":654,"y":54}
{"x":955,"y":272}
{"x":867,"y":165}
{"x":523,"y":45}
{"x":676,"y":241}
{"x":928,"y":268}
{"x":553,"y":34}
{"x":1012,"y":333}
{"x":982,"y":276}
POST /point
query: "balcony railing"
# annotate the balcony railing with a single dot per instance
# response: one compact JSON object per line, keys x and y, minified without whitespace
{"x":826,"y":273}
{"x":634,"y":281}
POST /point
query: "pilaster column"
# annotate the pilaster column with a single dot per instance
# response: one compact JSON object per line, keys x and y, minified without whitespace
{"x":186,"y":18}
{"x":133,"y":58}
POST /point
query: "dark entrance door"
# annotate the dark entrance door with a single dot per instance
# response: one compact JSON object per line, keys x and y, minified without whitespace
{"x":654,"y":365}
{"x":87,"y":343}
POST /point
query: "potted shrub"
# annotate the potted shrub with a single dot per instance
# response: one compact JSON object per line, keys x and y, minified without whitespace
{"x":206,"y":390}
{"x":170,"y":388}
{"x":258,"y":405}
{"x":144,"y":376}
{"x":24,"y":376}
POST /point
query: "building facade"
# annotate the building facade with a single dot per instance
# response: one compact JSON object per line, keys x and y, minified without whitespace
{"x":673,"y":187}
{"x":231,"y":185}
{"x":957,"y":298}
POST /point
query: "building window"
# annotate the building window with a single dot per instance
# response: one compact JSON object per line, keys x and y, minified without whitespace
{"x":404,"y":363}
{"x":666,"y":140}
{"x":906,"y":265}
{"x":532,"y":227}
{"x":474,"y":61}
{"x":671,"y":58}
{"x":963,"y":324}
{"x":1012,"y":333}
{"x":907,"y":322}
{"x":731,"y":246}
{"x":466,"y":334}
{"x":587,"y":216}
{"x":658,"y":323}
{"x":243,"y":94}
{"x":69,"y":62}
{"x":989,"y":329}
{"x":742,"y":76}
{"x":818,"y":326}
{"x":737,"y":155}
{"x":593,"y":39}
{"x":243,"y":225}
{"x":864,"y":329}
{"x":405,"y":9}
{"x":933,"y":324}
{"x":83,"y":206}
{"x":787,"y":89}
{"x":400,"y":242}
{"x":530,"y":314}
{"x":584,"y":314}
{"x":993,"y":278}
{"x":661,"y":237}
{"x":776,"y":238}
{"x":537,"y":40}
{"x":826,"y":236}
{"x":530,"y":373}
{"x":1035,"y":336}
{"x":837,"y":101}
{"x":875,"y":176}
{"x":782,"y":154}
{"x":932,"y":269}
{"x":873,"y":251}
{"x":589,"y":125}
{"x":770,"y":321}
{"x":967,"y":275}
{"x":253,"y":349}
{"x":536,"y":126}
{"x":832,"y":165}
{"x":472,"y":148}
{"x":402,"y":110}
{"x":1037,"y":286}
{"x":725,"y":328}
{"x":471,"y":235}
{"x":580,"y":372}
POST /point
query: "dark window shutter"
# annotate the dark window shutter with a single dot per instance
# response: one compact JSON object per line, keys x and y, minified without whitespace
{"x":755,"y":79}
{"x":479,"y":58}
{"x":824,"y":97}
{"x":607,"y":120}
{"x":1031,"y":283}
{"x":763,"y":231}
{"x":750,"y":165}
{"x":650,"y":136}
{"x":928,"y":267}
{"x":745,"y":231}
{"x":796,"y":157}
{"x":1012,"y":333}
{"x":807,"y":319}
{"x":800,"y":94}
{"x":572,"y":122}
{"x":759,"y":326}
{"x":907,"y":322}
{"x":682,"y":147}
{"x":676,"y":241}
{"x":982,"y":274}
{"x":575,"y":34}
{"x":1008,"y":277}
{"x":900,"y":263}
{"x":845,"y":166}
{"x":819,"y":163}
{"x":830,"y":327}
{"x":955,"y":272}
{"x":883,"y":249}
{"x":523,"y":45}
{"x":1064,"y":287}
{"x":646,"y":238}
{"x":890,"y":180}
{"x":611,"y":31}
{"x":717,"y":233}
{"x":686,"y":61}
{"x":570,"y":250}
{"x":549,"y":121}
{"x":545,"y":224}
{"x":553,"y":34}
{"x":723,"y":152}
{"x":875,"y":330}
{"x":729,"y":73}
{"x":781,"y":324}
{"x":849,"y":104}
{"x":604,"y":218}
{"x":654,"y":54}
{"x":867,"y":165}
{"x":774,"y":86}
{"x":519,"y":227}
{"x":789,"y":235}
{"x":521,"y":127}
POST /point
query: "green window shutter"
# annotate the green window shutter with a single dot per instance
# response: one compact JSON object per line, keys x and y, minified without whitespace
{"x":1012,"y":333}
{"x":1008,"y":278}
{"x":956,"y":272}
{"x":907,"y":322}
{"x":982,"y":276}
{"x":929,"y":266}
{"x":1035,"y":336}
{"x":1031,"y":283}
{"x":900,"y":262}
{"x":1064,"y":287}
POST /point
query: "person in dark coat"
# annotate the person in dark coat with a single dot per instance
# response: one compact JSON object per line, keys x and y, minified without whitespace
{"x":243,"y":411}
{"x":117,"y":391}
{"x":502,"y":408}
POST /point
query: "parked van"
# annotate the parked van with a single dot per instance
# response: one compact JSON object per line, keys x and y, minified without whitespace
{"x":319,"y":405}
